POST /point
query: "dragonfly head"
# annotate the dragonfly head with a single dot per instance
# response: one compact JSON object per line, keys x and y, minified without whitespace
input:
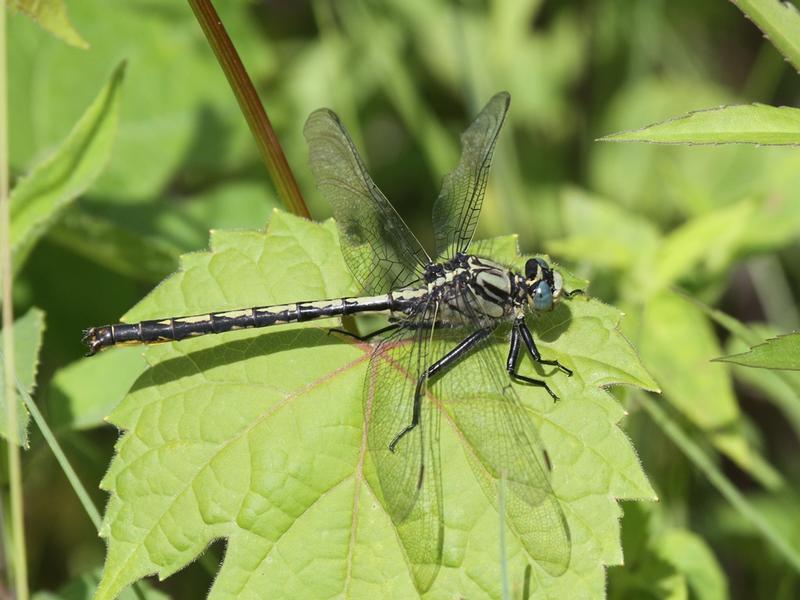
{"x":543,"y":284}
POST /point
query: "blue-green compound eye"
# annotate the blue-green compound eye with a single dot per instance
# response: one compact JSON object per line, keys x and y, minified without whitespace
{"x":542,"y":296}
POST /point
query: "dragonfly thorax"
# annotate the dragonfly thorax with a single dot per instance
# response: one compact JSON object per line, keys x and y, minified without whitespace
{"x":471,"y":288}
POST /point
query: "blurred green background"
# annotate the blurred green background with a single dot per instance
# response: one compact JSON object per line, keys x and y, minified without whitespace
{"x":406,"y":76}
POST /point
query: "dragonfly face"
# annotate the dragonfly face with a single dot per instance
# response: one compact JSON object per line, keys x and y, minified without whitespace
{"x":543,"y":285}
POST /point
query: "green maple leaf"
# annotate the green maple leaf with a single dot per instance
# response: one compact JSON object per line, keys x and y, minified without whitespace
{"x":257,"y":437}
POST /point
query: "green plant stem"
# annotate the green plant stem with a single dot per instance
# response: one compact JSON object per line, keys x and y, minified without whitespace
{"x":704,"y":464}
{"x":501,"y":510}
{"x":66,"y":467}
{"x":774,"y":292}
{"x":14,"y":468}
{"x":267,"y":141}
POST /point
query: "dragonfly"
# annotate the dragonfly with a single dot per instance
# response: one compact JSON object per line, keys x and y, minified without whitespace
{"x":438,"y":353}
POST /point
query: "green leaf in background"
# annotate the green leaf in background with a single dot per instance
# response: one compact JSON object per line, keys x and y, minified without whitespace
{"x":28,"y":330}
{"x":84,"y":587}
{"x":779,"y":510}
{"x":39,"y":197}
{"x":779,"y":386}
{"x":83,"y":394}
{"x":666,"y":182}
{"x":676,"y":340}
{"x":780,"y":22}
{"x":677,"y":343}
{"x":613,"y":237}
{"x":52,"y":16}
{"x":709,"y":241}
{"x":782,"y":352}
{"x":140,"y":257}
{"x":692,"y":557}
{"x":743,"y":124}
{"x":665,"y":562}
{"x":179,"y":117}
{"x":257,"y":437}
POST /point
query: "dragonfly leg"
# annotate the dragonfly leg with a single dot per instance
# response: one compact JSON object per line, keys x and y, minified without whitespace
{"x":574,"y":293}
{"x":447,"y":361}
{"x":512,"y":364}
{"x":527,"y":337}
{"x":368,"y":336}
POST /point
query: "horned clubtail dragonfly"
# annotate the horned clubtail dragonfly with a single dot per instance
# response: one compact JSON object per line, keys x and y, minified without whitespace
{"x":438,"y":352}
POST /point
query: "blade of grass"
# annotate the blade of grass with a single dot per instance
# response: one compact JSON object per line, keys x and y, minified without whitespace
{"x":58,"y":453}
{"x":706,"y":466}
{"x":774,"y":292}
{"x":14,"y":468}
{"x":267,"y":141}
{"x":501,"y":509}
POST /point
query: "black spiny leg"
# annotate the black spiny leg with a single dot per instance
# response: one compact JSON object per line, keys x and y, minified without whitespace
{"x":446,"y":362}
{"x":368,"y":336}
{"x":512,"y":363}
{"x":574,"y":293}
{"x":527,"y":337}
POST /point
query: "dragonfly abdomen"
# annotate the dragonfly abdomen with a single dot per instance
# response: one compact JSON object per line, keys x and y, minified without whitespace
{"x":179,"y":328}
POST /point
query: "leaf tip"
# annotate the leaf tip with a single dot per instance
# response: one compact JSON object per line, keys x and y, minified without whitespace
{"x":118,"y":74}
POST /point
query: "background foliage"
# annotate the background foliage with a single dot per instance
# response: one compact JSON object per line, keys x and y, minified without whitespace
{"x":680,"y":238}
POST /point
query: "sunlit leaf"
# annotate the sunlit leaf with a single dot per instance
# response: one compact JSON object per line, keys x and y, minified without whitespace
{"x":257,"y":437}
{"x":744,"y":124}
{"x":782,"y":352}
{"x":83,"y":394}
{"x":40,"y":196}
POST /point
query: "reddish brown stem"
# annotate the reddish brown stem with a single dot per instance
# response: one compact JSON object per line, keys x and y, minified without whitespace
{"x":249,"y":102}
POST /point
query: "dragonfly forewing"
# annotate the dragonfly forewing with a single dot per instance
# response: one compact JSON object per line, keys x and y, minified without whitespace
{"x":378,"y":247}
{"x":456,"y":211}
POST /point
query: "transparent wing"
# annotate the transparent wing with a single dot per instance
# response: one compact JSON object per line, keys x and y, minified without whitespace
{"x":499,"y":438}
{"x":378,"y":247}
{"x":456,"y":211}
{"x":409,"y":477}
